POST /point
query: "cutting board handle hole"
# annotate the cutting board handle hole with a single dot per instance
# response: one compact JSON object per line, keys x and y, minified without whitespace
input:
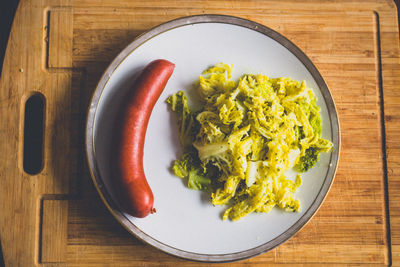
{"x":33,"y":133}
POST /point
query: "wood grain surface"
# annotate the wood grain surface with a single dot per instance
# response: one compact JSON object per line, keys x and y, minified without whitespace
{"x":60,"y":48}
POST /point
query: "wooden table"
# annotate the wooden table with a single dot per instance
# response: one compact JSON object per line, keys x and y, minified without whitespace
{"x":60,"y":48}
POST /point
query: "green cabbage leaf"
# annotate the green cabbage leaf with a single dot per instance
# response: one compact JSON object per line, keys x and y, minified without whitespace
{"x":244,"y":138}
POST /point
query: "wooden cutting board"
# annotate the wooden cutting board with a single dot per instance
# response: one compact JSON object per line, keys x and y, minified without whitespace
{"x":60,"y":49}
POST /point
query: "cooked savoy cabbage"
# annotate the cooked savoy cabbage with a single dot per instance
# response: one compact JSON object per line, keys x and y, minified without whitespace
{"x":245,"y":136}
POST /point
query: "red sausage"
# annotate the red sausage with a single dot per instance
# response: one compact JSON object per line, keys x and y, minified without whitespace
{"x":135,"y":195}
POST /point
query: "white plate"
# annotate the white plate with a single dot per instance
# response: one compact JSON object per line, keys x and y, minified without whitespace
{"x":186,"y":224}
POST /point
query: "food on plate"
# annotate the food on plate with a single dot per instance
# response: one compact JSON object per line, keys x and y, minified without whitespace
{"x":244,"y":138}
{"x":134,"y":193}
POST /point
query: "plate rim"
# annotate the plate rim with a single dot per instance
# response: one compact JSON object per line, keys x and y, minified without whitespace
{"x":224,"y":19}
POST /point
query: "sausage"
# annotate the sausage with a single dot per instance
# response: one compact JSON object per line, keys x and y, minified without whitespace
{"x":134,"y":193}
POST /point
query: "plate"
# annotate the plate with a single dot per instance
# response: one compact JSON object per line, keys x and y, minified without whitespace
{"x":186,"y":224}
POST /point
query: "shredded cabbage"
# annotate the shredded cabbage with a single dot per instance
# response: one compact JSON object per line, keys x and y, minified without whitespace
{"x":244,"y":138}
